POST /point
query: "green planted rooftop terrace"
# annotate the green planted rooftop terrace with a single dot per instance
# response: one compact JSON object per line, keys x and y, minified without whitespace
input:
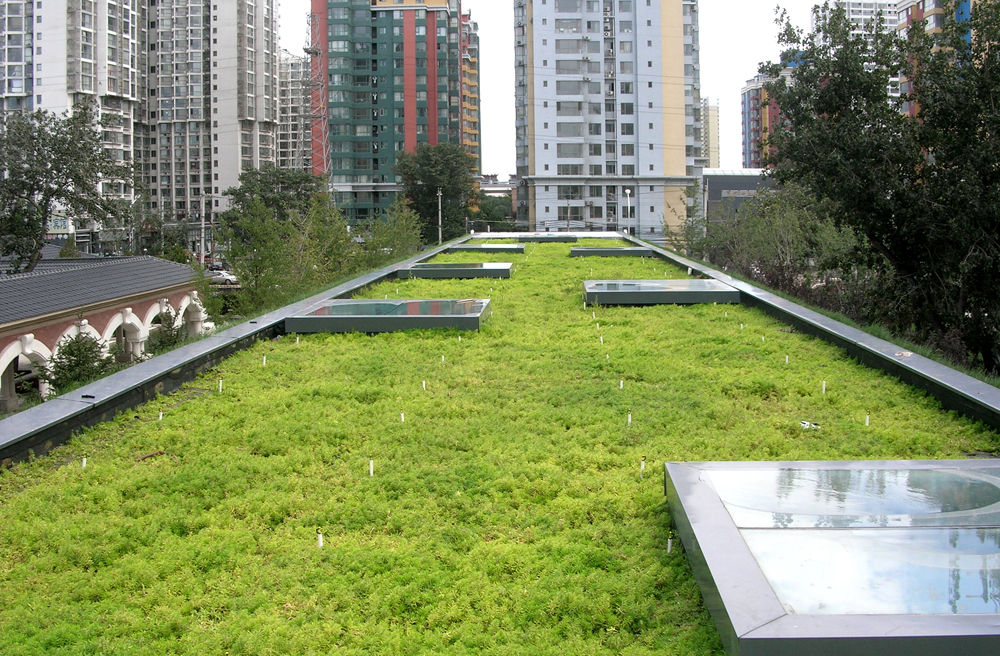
{"x":506,"y":514}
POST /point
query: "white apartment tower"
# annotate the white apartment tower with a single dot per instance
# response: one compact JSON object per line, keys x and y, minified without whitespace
{"x":188,"y":89}
{"x":609,"y":118}
{"x":861,"y":13}
{"x":213,"y":104}
{"x":63,"y":52}
{"x":295,"y":90}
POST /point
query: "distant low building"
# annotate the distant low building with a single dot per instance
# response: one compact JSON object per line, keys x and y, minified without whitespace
{"x":724,"y":190}
{"x":117,"y":300}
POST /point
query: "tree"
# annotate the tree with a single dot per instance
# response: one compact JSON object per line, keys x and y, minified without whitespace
{"x":394,"y":235}
{"x":280,"y":190}
{"x":493,"y":211}
{"x":79,"y":359}
{"x":447,"y":167}
{"x":52,"y":163}
{"x":259,"y":250}
{"x":69,"y":249}
{"x":923,"y":192}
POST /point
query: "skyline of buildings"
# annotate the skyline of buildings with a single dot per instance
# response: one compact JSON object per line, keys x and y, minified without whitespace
{"x":608,"y":114}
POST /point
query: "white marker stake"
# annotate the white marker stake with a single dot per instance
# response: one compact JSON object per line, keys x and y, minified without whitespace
{"x":762,"y":338}
{"x":824,"y":387}
{"x":621,"y":384}
{"x":868,"y":420}
{"x":593,"y":315}
{"x":296,"y":339}
{"x":642,"y":467}
{"x":84,"y":465}
{"x":629,"y":419}
{"x":607,"y":356}
{"x":371,"y":467}
{"x":786,"y":359}
{"x":741,"y":326}
{"x":161,"y":415}
{"x":319,"y":539}
{"x":602,"y":340}
{"x":670,"y":542}
{"x":598,"y":325}
{"x":689,"y":271}
{"x":220,"y":386}
{"x":263,"y":362}
{"x":425,"y":385}
{"x":727,"y":313}
{"x":402,"y":418}
{"x":442,"y":358}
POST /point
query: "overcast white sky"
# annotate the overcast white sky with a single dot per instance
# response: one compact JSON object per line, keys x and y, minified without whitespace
{"x":735,"y":36}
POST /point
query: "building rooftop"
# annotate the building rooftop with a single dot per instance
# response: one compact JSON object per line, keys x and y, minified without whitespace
{"x":63,"y":284}
{"x":476,"y":492}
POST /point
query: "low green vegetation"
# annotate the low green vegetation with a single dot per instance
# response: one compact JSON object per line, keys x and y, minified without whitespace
{"x":506,"y":514}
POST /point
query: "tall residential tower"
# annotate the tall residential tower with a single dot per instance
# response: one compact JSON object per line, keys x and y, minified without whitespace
{"x":400,"y":73}
{"x":609,"y":125}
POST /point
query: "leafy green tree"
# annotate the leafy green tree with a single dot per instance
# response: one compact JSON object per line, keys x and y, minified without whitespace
{"x":497,"y":212}
{"x":52,"y":163}
{"x":259,"y":250}
{"x":69,"y":249}
{"x":447,"y":167}
{"x":79,"y":359}
{"x":321,"y":244}
{"x":922,"y":193}
{"x":394,"y":235}
{"x":281,"y":191}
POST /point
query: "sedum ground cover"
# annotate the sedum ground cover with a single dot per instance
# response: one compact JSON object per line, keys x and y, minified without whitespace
{"x":506,"y":514}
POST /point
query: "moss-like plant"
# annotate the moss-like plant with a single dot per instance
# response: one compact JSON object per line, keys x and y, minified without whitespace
{"x":506,"y":513}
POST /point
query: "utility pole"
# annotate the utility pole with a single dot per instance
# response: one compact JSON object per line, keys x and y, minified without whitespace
{"x":628,"y":209}
{"x":439,"y":216}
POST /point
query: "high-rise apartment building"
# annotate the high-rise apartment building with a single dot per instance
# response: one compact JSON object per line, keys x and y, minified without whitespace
{"x":55,"y":55}
{"x":213,"y":104}
{"x":710,"y":132}
{"x":188,"y":89}
{"x":295,"y":123}
{"x":470,"y":90}
{"x":395,"y":72}
{"x":608,"y":113}
{"x":861,"y":13}
{"x":760,"y":115}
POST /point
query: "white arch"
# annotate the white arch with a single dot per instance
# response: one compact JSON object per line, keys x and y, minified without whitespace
{"x":155,"y":310}
{"x":134,"y":328}
{"x":36,"y":351}
{"x":82,"y":326}
{"x":192,"y":313}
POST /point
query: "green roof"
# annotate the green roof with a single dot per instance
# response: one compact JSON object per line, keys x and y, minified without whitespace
{"x":506,"y":514}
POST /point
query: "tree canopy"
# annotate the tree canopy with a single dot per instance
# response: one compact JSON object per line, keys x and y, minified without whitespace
{"x":281,"y":191}
{"x":51,"y":163}
{"x":447,"y":167}
{"x":921,"y":191}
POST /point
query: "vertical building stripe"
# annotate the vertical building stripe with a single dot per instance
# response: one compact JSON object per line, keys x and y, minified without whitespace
{"x":432,"y":78}
{"x":410,"y":80}
{"x":319,"y":66}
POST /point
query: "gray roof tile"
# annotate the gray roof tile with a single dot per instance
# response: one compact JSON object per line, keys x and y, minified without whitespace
{"x":76,"y":283}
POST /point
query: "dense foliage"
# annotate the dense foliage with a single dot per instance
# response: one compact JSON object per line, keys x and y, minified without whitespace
{"x":78,"y":360}
{"x":284,"y":237}
{"x":49,"y":164}
{"x":446,"y":167}
{"x":921,"y":191}
{"x":506,"y":514}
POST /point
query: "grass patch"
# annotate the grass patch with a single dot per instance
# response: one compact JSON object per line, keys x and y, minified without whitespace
{"x":506,"y":514}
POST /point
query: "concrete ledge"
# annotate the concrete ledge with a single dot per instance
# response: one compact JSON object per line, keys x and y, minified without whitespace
{"x":955,"y":390}
{"x":37,"y":430}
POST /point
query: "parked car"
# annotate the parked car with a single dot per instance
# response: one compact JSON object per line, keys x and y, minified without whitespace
{"x":223,"y":278}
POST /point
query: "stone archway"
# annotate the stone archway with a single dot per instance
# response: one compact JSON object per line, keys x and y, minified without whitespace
{"x":127,"y":331}
{"x":24,"y":348}
{"x":192,"y":314}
